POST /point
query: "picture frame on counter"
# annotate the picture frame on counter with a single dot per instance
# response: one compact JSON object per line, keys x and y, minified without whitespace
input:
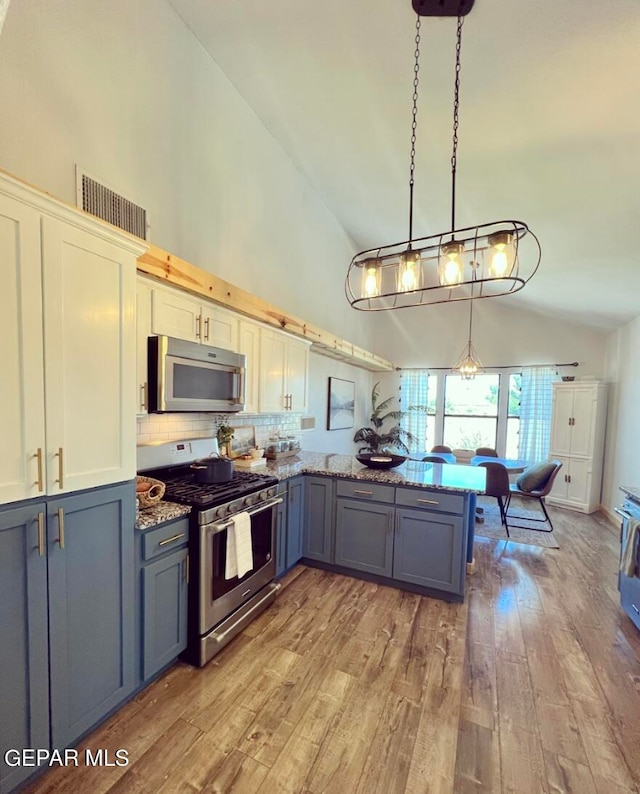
{"x":341,"y":404}
{"x":244,"y":438}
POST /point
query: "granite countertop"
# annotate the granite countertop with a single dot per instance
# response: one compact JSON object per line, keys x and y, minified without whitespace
{"x":631,"y":491}
{"x":445,"y":476}
{"x":162,"y":511}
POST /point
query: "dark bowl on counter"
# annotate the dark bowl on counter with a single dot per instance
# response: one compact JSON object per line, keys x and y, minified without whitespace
{"x":380,"y":460}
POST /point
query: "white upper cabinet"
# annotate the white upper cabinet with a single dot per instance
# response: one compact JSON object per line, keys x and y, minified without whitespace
{"x":22,"y":392}
{"x":67,"y":315}
{"x":298,"y":375}
{"x":577,"y":439}
{"x":284,"y":372}
{"x":143,"y":332}
{"x":249,"y":346}
{"x":179,"y":315}
{"x":277,"y":370}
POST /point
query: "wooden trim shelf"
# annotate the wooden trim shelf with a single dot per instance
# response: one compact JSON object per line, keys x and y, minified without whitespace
{"x":170,"y":269}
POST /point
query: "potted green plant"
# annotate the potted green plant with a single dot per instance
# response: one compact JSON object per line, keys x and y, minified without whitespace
{"x":395,"y":438}
{"x":224,"y":434}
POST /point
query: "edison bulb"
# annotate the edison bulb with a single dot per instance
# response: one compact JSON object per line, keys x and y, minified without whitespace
{"x":409,"y":272}
{"x":450,"y":267}
{"x":371,"y":281}
{"x":501,"y":244}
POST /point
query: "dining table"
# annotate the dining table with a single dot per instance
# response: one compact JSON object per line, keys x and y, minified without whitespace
{"x":512,"y":465}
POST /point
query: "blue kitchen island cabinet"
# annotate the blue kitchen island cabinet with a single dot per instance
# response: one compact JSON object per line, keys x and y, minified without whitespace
{"x":24,"y":665}
{"x":318,"y":519}
{"x":364,"y":526}
{"x":68,"y":562}
{"x":164,"y":581}
{"x":430,"y":550}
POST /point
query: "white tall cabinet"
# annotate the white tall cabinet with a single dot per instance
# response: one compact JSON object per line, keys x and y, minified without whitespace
{"x":577,"y":439}
{"x":67,"y":321}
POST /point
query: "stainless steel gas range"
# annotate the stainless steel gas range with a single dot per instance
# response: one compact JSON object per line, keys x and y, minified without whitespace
{"x":220,"y":606}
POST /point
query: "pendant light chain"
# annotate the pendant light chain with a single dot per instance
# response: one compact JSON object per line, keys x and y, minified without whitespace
{"x":414,"y":125}
{"x":456,"y":108}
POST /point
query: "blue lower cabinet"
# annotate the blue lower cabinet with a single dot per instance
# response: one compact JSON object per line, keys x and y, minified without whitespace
{"x":24,"y":647}
{"x":428,"y":549}
{"x":67,"y":602}
{"x":364,"y":536}
{"x":295,"y":519}
{"x":281,"y":532}
{"x":164,"y":611}
{"x":318,"y":519}
{"x":163,"y":565}
{"x":90,"y":548}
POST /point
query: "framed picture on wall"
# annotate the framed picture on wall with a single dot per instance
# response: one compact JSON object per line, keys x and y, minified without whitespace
{"x":342,"y":395}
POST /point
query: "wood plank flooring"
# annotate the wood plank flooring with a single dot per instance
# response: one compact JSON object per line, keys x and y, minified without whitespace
{"x":532,"y":685}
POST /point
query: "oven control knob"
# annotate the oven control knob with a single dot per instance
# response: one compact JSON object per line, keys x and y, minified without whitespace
{"x":221,"y":512}
{"x":248,"y":501}
{"x":264,"y":495}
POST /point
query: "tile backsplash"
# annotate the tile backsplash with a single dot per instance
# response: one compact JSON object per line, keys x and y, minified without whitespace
{"x":175,"y":427}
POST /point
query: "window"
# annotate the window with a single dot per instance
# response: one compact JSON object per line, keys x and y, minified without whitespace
{"x":471,"y":411}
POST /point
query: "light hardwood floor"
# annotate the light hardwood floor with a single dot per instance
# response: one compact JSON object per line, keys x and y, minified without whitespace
{"x":532,"y":685}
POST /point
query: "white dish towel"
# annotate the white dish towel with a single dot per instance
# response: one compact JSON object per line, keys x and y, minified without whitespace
{"x":239,"y":549}
{"x":630,"y":550}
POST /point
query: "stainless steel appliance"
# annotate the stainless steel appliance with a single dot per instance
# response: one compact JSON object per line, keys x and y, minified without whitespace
{"x":219,"y":608}
{"x":186,"y":376}
{"x":629,"y":586}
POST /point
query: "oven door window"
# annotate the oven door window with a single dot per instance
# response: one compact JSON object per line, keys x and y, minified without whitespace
{"x":261,"y":528}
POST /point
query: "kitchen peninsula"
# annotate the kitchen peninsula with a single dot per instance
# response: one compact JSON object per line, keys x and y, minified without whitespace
{"x":410,"y":527}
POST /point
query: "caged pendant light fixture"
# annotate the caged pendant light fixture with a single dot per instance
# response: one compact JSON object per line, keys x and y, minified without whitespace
{"x":483,"y":261}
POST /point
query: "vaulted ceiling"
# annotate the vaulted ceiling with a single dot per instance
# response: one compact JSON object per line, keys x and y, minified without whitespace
{"x":549,"y":124}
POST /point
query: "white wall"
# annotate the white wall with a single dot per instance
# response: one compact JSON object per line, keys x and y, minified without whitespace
{"x":502,"y":335}
{"x":126,"y":91}
{"x":340,"y":441}
{"x":623,"y":421}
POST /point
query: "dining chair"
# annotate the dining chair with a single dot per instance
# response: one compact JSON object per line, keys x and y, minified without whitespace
{"x":539,"y":493}
{"x":441,"y":448}
{"x":433,"y":459}
{"x":487,"y":452}
{"x":498,"y":486}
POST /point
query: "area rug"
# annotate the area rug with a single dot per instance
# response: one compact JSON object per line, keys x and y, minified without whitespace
{"x":492,"y":528}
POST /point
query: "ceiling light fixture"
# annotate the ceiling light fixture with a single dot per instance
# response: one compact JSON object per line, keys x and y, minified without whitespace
{"x":482,"y":261}
{"x":469,"y":364}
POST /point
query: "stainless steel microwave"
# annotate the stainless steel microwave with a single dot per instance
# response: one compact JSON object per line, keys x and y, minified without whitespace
{"x":186,"y":376}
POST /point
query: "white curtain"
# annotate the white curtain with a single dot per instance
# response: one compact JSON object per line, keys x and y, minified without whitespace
{"x":535,"y":412}
{"x":4,"y":7}
{"x":413,"y":391}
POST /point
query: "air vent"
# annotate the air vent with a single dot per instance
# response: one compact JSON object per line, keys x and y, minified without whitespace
{"x":110,"y":206}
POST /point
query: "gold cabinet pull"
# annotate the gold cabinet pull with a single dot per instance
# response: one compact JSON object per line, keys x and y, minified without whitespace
{"x":428,"y":501}
{"x":60,"y":538}
{"x":41,"y":548}
{"x":40,"y":481}
{"x":206,"y":329}
{"x":143,"y":396}
{"x":60,"y":479}
{"x":199,"y":327}
{"x":171,"y":539}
